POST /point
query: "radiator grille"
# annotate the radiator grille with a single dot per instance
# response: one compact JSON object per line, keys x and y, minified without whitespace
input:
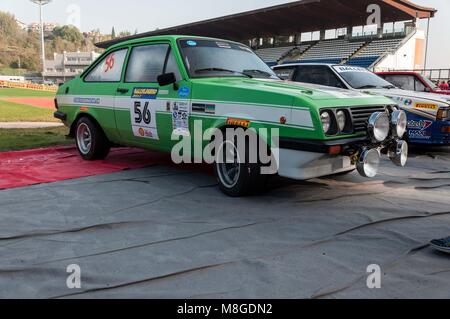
{"x":361,"y":115}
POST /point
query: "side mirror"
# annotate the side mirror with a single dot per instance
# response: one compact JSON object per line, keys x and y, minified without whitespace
{"x":427,"y":89}
{"x":167,"y":79}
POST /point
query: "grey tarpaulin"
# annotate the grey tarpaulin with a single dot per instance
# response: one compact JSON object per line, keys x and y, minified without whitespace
{"x":166,"y":232}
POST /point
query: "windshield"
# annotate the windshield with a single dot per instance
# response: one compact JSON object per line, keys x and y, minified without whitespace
{"x":360,"y":78}
{"x":215,"y":58}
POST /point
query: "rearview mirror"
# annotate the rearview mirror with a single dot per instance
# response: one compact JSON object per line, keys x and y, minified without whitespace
{"x":167,"y":79}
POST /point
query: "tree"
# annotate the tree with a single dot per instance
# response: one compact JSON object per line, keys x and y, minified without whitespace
{"x":123,"y":34}
{"x":68,"y":33}
{"x":113,"y":33}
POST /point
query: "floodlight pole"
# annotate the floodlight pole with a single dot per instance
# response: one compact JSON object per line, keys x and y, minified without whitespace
{"x":426,"y":45}
{"x":42,"y":3}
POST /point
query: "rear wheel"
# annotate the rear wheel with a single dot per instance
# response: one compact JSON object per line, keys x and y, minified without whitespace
{"x":92,"y":143}
{"x":236,"y":175}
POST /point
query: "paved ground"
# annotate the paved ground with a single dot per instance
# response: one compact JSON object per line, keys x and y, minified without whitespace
{"x":165,"y":231}
{"x":28,"y":125}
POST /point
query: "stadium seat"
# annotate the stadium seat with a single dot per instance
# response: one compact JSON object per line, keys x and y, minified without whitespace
{"x":273,"y":55}
{"x":332,"y":49}
{"x":364,"y":61}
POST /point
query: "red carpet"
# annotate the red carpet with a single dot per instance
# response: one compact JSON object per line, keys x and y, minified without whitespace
{"x":47,"y":165}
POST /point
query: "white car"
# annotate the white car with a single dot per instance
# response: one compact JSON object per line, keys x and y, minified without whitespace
{"x":428,"y":114}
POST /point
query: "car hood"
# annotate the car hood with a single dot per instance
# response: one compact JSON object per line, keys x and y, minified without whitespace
{"x":295,"y":89}
{"x":443,"y":99}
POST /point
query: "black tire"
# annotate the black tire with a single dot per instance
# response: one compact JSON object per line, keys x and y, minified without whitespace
{"x":249,"y":180}
{"x":99,"y":145}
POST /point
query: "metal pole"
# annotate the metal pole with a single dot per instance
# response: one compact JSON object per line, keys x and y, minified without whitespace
{"x":42,"y":41}
{"x":426,"y":46}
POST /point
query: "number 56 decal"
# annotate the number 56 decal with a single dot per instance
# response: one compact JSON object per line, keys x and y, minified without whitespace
{"x":143,"y":120}
{"x":144,"y":115}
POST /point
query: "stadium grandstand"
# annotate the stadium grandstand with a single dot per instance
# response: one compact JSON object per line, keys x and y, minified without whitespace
{"x":322,"y":31}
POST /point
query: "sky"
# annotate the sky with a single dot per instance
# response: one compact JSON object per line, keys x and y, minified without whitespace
{"x":147,"y":15}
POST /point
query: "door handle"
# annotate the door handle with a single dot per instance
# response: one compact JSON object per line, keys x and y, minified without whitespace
{"x":123,"y":91}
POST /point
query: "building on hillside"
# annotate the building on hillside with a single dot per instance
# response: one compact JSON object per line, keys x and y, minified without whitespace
{"x":67,"y":65}
{"x":36,"y":27}
{"x":22,"y":25}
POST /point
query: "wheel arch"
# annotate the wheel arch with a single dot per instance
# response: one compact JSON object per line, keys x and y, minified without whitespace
{"x":80,"y":115}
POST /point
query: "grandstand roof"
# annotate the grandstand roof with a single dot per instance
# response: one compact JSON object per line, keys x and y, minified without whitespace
{"x":292,"y":17}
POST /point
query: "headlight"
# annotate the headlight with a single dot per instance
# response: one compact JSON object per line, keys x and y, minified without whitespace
{"x":399,"y":122}
{"x":341,"y":119}
{"x":326,"y":119}
{"x":379,"y":127}
{"x":443,"y":114}
{"x":398,"y":153}
{"x":368,"y":163}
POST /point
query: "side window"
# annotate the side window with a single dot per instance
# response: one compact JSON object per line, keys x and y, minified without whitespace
{"x":419,"y":86}
{"x":404,"y":82}
{"x":109,"y":69}
{"x":172,"y":66}
{"x":321,"y":75}
{"x":146,"y":63}
{"x":285,"y":73}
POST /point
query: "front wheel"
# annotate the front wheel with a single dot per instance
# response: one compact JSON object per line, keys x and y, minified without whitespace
{"x":236,"y":175}
{"x":92,"y":143}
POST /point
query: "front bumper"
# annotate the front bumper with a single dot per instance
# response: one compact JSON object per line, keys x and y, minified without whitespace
{"x":306,"y":159}
{"x":304,"y":165}
{"x":325,"y":147}
{"x":60,"y":116}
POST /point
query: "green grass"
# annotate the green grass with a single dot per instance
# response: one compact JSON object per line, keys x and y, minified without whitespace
{"x":21,"y":139}
{"x":12,"y":93}
{"x":11,"y":71}
{"x":13,"y":112}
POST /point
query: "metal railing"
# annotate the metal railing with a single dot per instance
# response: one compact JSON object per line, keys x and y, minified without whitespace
{"x":432,"y":74}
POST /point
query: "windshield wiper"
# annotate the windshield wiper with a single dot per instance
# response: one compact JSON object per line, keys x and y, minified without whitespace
{"x":258,"y":71}
{"x":222,"y":70}
{"x":389,"y":87}
{"x":369,"y":86}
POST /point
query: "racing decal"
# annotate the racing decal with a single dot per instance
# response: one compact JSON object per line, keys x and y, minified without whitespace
{"x":143,"y":120}
{"x":419,"y":124}
{"x":180,"y":118}
{"x":223,"y":45}
{"x":184,"y":92}
{"x":144,"y":93}
{"x":268,"y":113}
{"x":426,"y":106}
{"x":345,"y":68}
{"x":86,"y":100}
{"x":109,"y":62}
{"x":419,"y":128}
{"x":204,"y":108}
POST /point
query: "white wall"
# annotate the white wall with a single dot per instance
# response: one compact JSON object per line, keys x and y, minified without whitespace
{"x":405,"y":57}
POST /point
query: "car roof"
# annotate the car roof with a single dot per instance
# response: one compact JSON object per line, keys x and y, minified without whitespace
{"x":398,"y":72}
{"x":164,"y":38}
{"x":298,"y":64}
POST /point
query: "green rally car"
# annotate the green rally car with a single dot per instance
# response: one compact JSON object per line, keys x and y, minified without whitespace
{"x":143,"y":92}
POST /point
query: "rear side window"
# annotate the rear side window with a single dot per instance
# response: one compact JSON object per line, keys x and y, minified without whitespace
{"x":146,"y":63}
{"x":285,"y":73}
{"x":405,"y":82}
{"x":109,"y":69}
{"x":321,"y":75}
